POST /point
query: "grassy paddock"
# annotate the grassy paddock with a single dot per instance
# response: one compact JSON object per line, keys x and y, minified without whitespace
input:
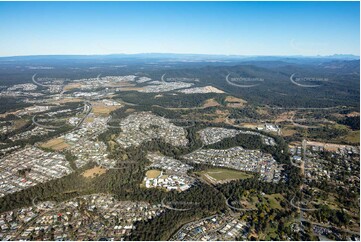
{"x":223,"y":175}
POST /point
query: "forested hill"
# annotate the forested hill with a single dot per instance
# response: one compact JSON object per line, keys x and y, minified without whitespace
{"x":269,"y":77}
{"x":333,"y":83}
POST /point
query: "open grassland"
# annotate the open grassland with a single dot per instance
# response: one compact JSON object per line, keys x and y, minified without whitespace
{"x":120,"y":84}
{"x":103,"y":109}
{"x":68,"y":100}
{"x":353,"y":137}
{"x":220,"y":175}
{"x":274,"y":200}
{"x":89,"y":120}
{"x":130,"y":110}
{"x":251,"y":200}
{"x":72,"y":86}
{"x":55,"y":144}
{"x":153,"y":173}
{"x":19,"y":123}
{"x":288,"y":131}
{"x":93,"y":172}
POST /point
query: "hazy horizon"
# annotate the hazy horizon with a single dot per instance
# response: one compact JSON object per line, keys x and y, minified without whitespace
{"x":212,"y":28}
{"x":187,"y":54}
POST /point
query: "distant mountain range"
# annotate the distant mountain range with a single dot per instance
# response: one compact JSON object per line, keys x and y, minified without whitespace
{"x":179,"y":57}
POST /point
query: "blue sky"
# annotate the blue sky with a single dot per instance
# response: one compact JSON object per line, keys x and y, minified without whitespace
{"x":239,"y":28}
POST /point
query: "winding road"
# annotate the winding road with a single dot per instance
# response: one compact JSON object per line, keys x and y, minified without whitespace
{"x":87,"y":110}
{"x":45,"y":126}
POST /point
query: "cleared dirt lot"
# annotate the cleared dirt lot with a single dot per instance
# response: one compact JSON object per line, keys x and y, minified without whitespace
{"x":249,"y":125}
{"x":211,"y":103}
{"x":286,"y":116}
{"x":327,"y":146}
{"x":233,"y":102}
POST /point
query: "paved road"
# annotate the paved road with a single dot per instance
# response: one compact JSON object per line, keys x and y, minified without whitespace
{"x":45,"y":126}
{"x":330,"y":226}
{"x":240,"y":209}
{"x":215,"y":188}
{"x":87,"y":109}
{"x":33,"y":220}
